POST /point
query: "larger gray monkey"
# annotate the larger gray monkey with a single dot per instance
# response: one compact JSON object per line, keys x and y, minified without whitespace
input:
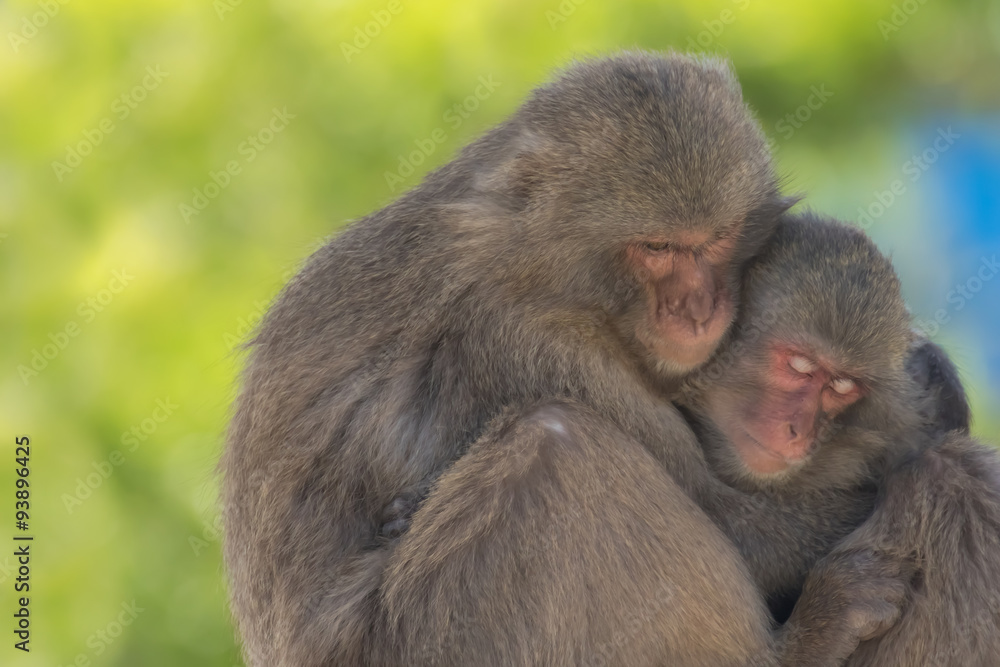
{"x":590,"y":249}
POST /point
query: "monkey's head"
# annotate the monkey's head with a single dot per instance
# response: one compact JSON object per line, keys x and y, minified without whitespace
{"x":653,"y":170}
{"x":815,"y":372}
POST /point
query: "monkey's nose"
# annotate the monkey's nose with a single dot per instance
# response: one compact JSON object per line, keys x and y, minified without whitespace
{"x":795,"y":434}
{"x":700,"y":306}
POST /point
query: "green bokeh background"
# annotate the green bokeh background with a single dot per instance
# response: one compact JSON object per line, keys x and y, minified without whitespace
{"x":148,"y":532}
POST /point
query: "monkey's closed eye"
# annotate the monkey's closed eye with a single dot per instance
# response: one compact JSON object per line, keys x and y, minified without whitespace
{"x":657,"y":246}
{"x":801,"y":365}
{"x":843,"y":385}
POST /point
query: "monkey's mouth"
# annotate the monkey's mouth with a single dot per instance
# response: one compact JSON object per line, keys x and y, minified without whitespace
{"x":759,"y":458}
{"x":687,"y":343}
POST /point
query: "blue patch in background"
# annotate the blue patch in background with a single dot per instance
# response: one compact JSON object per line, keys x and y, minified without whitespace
{"x":964,"y":189}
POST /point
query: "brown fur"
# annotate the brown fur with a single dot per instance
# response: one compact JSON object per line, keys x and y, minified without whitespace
{"x":416,"y":354}
{"x":827,"y":286}
{"x":938,"y":509}
{"x":943,"y":509}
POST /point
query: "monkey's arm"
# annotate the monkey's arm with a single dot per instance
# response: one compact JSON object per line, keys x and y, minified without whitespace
{"x":943,"y":508}
{"x":558,"y":540}
{"x":782,"y":539}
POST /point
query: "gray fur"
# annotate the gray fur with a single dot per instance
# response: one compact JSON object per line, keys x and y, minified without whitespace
{"x":444,"y":347}
{"x":938,"y":505}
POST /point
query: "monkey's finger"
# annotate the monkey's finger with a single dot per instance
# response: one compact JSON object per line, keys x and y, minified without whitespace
{"x":394,"y":510}
{"x":395,"y":528}
{"x":893,"y":590}
{"x":874,"y":619}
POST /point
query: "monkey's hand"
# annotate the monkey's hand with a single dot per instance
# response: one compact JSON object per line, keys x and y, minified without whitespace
{"x":850,"y":596}
{"x":397,"y":514}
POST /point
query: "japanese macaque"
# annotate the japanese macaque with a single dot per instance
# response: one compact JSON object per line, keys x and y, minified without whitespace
{"x":825,"y":402}
{"x":486,"y":363}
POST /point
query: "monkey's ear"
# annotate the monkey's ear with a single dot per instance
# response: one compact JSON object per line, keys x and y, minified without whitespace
{"x":929,"y":366}
{"x":782,"y":204}
{"x":528,"y":165}
{"x":760,"y":222}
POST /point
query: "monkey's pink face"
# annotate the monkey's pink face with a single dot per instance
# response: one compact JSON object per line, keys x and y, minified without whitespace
{"x":688,"y":307}
{"x":777,"y":428}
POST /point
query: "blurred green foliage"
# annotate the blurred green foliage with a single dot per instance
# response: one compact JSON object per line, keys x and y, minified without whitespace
{"x":140,"y":302}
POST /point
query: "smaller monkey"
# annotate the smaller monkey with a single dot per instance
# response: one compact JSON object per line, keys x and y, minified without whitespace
{"x":810,"y":398}
{"x":825,"y":406}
